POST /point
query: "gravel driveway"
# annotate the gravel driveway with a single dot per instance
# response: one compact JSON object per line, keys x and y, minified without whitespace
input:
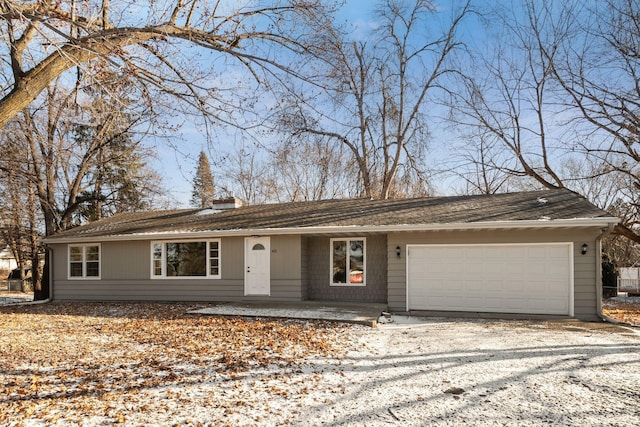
{"x":484,"y":372}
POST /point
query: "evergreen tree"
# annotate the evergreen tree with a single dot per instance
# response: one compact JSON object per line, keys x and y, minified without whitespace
{"x":73,"y":157}
{"x":203,"y":188}
{"x":119,"y":179}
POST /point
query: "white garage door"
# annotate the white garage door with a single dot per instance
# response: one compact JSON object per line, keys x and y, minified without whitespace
{"x":528,"y":278}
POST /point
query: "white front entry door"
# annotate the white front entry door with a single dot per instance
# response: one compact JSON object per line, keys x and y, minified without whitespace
{"x":257,"y":266}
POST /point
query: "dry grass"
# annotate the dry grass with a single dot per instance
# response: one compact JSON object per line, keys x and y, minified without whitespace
{"x":109,"y":363}
{"x":626,"y":312}
{"x":112,"y":363}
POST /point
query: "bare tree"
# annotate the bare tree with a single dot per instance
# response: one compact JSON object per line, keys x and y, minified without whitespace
{"x":145,"y":42}
{"x":310,"y":169}
{"x":18,"y":217}
{"x":118,"y":178}
{"x":538,"y":96}
{"x":614,"y":192}
{"x":375,"y":94}
{"x":509,"y":96}
{"x":79,"y":159}
{"x":245,"y":174}
{"x":600,"y":71}
{"x":480,"y":165}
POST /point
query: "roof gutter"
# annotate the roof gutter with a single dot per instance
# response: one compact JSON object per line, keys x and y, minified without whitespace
{"x":488,"y":225}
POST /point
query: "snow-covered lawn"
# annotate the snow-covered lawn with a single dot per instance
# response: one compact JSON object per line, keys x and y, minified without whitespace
{"x":141,"y":364}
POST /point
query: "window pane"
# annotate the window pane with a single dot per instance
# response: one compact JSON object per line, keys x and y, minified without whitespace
{"x":356,"y":261}
{"x":157,"y":259}
{"x":214,"y":258}
{"x":157,"y":267}
{"x":339,"y":261}
{"x":187,"y":259}
{"x":75,"y":269}
{"x":258,"y":247}
{"x":157,"y":251}
{"x":93,"y":253}
{"x":214,"y":266}
{"x":93,"y":269}
{"x":75,"y":253}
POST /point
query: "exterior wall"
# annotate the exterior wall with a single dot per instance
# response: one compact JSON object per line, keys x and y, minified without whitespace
{"x":304,"y":266}
{"x":7,"y":260}
{"x":8,"y":264}
{"x":585,"y":276}
{"x":126,"y":274}
{"x":318,"y":264}
{"x":300,"y":269}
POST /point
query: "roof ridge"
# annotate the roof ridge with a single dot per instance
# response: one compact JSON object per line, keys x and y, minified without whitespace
{"x":558,"y":204}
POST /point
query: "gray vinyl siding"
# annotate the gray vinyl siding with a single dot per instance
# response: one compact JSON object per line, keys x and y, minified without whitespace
{"x":125,"y":260}
{"x":304,"y":267}
{"x":126,"y":275}
{"x":319,"y":268}
{"x":585,"y":298}
{"x":300,"y":269}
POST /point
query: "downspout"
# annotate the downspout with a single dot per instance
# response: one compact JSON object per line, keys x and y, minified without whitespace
{"x":604,"y":233}
{"x":50,"y":255}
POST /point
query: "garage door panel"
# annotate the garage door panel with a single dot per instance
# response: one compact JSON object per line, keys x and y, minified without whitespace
{"x":533,"y":278}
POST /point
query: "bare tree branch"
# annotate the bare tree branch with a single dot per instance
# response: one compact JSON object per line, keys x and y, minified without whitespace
{"x":100,"y":37}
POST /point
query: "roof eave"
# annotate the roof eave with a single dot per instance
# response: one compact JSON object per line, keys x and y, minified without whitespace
{"x":489,"y":225}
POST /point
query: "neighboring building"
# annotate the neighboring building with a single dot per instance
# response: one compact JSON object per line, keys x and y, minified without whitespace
{"x":629,"y":280}
{"x":7,"y":260}
{"x":532,"y":252}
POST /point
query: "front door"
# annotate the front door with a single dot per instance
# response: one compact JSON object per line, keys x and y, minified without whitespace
{"x":257,"y":268}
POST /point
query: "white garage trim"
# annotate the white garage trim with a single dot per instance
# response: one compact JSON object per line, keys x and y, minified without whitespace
{"x":484,"y":277}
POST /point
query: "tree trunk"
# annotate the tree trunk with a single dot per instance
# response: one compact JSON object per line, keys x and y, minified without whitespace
{"x":42,"y":292}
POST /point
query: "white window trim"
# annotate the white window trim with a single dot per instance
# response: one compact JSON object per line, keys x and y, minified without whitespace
{"x":84,"y":261}
{"x":163,"y":260}
{"x":364,"y":261}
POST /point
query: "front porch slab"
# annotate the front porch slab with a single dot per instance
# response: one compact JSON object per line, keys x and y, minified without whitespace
{"x":364,"y":314}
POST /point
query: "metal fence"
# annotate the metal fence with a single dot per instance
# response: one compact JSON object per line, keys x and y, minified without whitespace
{"x":629,"y":285}
{"x":15,"y":285}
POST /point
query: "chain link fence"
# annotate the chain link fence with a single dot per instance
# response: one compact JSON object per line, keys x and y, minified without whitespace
{"x":16,"y":285}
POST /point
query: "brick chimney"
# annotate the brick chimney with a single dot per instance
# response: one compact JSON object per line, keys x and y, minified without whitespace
{"x":228,"y":203}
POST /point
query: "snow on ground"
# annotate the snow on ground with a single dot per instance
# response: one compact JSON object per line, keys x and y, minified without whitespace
{"x":488,"y":372}
{"x":327,"y":313}
{"x":141,"y":364}
{"x":7,"y":298}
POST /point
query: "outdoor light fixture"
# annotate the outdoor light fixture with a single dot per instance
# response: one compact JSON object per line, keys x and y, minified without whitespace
{"x":398,"y":251}
{"x":584,"y":248}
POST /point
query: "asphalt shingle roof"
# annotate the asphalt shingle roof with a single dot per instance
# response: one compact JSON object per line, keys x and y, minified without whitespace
{"x":524,"y":206}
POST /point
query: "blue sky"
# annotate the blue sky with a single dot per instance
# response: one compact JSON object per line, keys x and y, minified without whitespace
{"x":176,"y":162}
{"x":177,"y":166}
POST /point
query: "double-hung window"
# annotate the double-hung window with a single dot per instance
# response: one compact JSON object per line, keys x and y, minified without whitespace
{"x":186,"y":259}
{"x":348,"y":262}
{"x":84,"y":261}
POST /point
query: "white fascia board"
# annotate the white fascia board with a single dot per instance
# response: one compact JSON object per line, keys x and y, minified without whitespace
{"x":493,"y":225}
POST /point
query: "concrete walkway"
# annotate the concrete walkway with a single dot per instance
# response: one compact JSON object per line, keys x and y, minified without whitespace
{"x":364,"y":314}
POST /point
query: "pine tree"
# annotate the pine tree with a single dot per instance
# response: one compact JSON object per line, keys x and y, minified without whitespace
{"x":203,"y":188}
